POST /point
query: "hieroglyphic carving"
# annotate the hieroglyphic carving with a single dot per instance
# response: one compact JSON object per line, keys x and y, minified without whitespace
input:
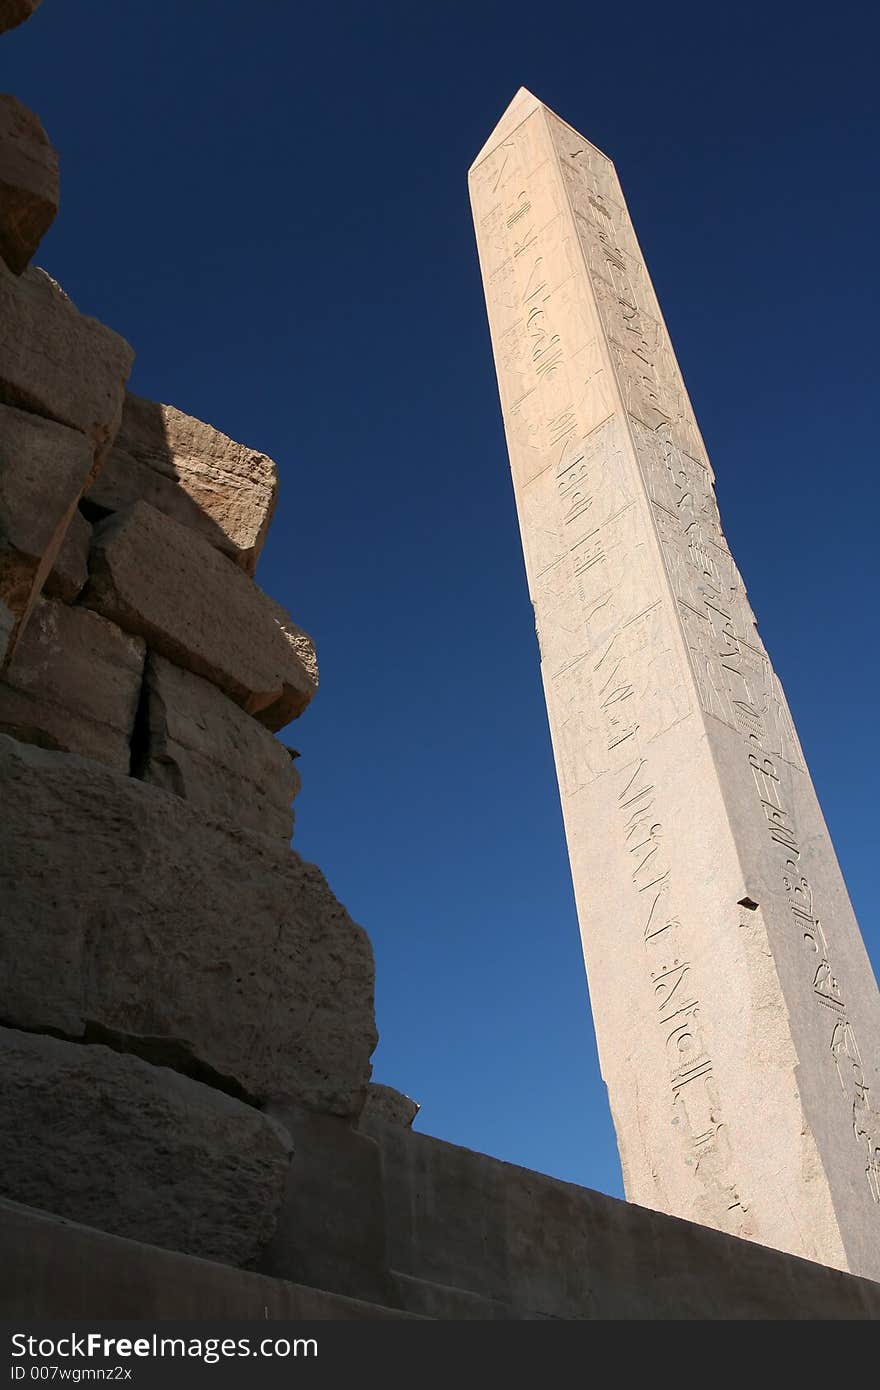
{"x":651,"y":657}
{"x":608,"y":643}
{"x":696,"y":1108}
{"x":672,"y":457}
{"x":827,"y":990}
{"x":733,"y":673}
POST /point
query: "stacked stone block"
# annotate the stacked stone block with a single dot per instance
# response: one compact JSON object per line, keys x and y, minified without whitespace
{"x":169,"y":968}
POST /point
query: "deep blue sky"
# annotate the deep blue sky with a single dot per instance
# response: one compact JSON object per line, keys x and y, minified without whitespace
{"x":269,"y":201}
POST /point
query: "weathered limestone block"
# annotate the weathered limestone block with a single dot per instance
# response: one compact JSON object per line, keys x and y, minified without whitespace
{"x":294,"y":636}
{"x":192,"y":473}
{"x":73,"y":684}
{"x":146,"y":919}
{"x":385,"y":1103}
{"x":28,"y":183}
{"x":43,"y":469}
{"x":159,"y":579}
{"x":202,"y":746}
{"x":56,"y":362}
{"x":331,"y":1229}
{"x":109,"y":1140}
{"x":7,"y":622}
{"x":13,"y":12}
{"x":70,"y":571}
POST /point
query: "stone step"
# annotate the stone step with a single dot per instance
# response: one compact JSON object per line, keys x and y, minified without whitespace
{"x":52,"y":1268}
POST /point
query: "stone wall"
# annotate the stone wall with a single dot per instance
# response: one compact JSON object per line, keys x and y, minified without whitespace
{"x":169,"y":965}
{"x":470,"y":1237}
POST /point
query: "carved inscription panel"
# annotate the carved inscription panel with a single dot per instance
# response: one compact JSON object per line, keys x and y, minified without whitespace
{"x":606,"y":631}
{"x":733,"y":673}
{"x":643,"y":621}
{"x":614,"y":662}
{"x":734,"y":677}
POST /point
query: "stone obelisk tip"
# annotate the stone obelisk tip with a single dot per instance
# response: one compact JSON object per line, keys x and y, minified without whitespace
{"x":522,"y":105}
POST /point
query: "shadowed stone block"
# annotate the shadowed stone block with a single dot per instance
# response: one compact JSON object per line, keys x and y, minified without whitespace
{"x":385,"y":1103}
{"x":137,"y":1150}
{"x":74,"y":684}
{"x":54,"y":1268}
{"x":54,"y":361}
{"x":148,"y":920}
{"x":159,"y":579}
{"x":7,"y":622}
{"x":70,"y":571}
{"x":13,"y":12}
{"x":192,"y":473}
{"x":202,"y":746}
{"x":28,"y":183}
{"x":331,"y":1229}
{"x":43,"y":469}
{"x":463,"y":1229}
{"x":640,"y":1264}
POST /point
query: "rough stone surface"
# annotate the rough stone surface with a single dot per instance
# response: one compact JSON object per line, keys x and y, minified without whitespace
{"x":59,"y":1269}
{"x":303,"y":648}
{"x":70,"y":571}
{"x":43,"y":469}
{"x":179,"y":932}
{"x":192,"y":473}
{"x":56,"y":362}
{"x":13,"y":12}
{"x":384,"y":1103}
{"x":7,"y":622}
{"x":157,"y":578}
{"x":28,"y":183}
{"x":137,"y":1150}
{"x":737,"y":1016}
{"x":331,"y":1228}
{"x":202,"y":746}
{"x":73,"y":685}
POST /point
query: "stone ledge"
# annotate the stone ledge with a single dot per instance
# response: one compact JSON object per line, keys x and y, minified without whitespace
{"x":54,"y":1268}
{"x":469,"y":1236}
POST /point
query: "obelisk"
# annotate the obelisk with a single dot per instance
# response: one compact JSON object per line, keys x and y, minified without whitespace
{"x":736,"y":1012}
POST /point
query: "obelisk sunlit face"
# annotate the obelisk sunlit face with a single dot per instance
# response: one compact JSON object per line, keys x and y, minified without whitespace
{"x":736,"y":1013}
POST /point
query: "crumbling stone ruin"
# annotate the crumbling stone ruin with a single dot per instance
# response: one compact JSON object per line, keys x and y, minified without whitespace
{"x":170,"y":966}
{"x":188,"y":1126}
